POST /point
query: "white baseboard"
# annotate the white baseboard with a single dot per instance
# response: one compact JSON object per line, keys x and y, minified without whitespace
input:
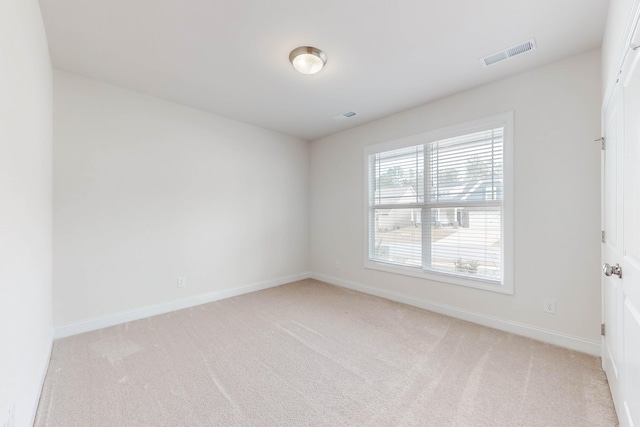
{"x":22,"y":407}
{"x":44,"y":367}
{"x":544,"y":335}
{"x":540,"y":334}
{"x":128,"y":316}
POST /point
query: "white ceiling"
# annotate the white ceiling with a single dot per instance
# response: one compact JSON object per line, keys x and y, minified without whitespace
{"x":230,"y":57}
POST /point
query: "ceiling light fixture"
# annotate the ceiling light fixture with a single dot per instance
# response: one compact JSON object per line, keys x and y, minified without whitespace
{"x":307,"y":59}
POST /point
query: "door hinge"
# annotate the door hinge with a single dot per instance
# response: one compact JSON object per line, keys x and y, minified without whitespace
{"x":602,"y":329}
{"x":602,"y":236}
{"x":601,"y":140}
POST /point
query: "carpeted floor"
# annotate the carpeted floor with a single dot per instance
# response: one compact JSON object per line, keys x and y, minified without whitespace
{"x":308,"y":353}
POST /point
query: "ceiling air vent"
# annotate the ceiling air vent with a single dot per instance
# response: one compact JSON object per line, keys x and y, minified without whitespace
{"x":344,"y":116}
{"x":519,"y":49}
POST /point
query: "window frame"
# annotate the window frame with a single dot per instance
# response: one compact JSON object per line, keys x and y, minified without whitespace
{"x":505,"y":285}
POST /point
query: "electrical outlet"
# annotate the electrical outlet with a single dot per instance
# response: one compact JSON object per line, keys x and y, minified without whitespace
{"x":549,"y":306}
{"x":182,"y":282}
{"x":338,"y":265}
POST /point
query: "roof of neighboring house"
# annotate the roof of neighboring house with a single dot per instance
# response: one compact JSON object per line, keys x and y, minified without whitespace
{"x":471,"y":191}
{"x":450,"y":192}
{"x":395,"y":195}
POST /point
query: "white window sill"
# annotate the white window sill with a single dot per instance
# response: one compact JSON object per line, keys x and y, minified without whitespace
{"x":487,"y":285}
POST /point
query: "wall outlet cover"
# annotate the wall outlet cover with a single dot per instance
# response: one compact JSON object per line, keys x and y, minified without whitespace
{"x":549,"y":306}
{"x":182,"y":282}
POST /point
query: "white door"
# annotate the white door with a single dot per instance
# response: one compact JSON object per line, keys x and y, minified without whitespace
{"x":621,"y":249}
{"x":611,"y":287}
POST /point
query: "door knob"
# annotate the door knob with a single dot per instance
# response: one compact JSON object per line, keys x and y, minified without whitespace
{"x":609,"y":270}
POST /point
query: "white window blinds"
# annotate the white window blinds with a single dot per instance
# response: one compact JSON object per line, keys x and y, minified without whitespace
{"x":396,"y":193}
{"x":439,"y":205}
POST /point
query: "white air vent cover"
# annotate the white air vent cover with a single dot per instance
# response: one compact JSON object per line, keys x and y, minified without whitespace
{"x":519,"y":49}
{"x":344,"y":116}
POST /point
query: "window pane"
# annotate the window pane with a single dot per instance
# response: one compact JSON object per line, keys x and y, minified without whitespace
{"x":398,"y":177}
{"x":467,"y":168}
{"x":467,"y":241}
{"x":397,"y":236}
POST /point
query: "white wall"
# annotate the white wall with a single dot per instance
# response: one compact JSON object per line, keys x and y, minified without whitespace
{"x":557,"y":211}
{"x":25,"y":209}
{"x":147,"y":190}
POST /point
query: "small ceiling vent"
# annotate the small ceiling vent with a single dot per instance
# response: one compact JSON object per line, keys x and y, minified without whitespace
{"x":344,"y":116}
{"x":519,"y":49}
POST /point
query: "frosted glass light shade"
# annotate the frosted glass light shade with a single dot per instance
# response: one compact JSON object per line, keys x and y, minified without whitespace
{"x":307,"y":59}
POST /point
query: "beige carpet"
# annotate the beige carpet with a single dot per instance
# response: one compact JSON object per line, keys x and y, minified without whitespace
{"x":309,"y":353}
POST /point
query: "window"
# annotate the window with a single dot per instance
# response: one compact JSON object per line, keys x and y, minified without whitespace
{"x":439,"y":205}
